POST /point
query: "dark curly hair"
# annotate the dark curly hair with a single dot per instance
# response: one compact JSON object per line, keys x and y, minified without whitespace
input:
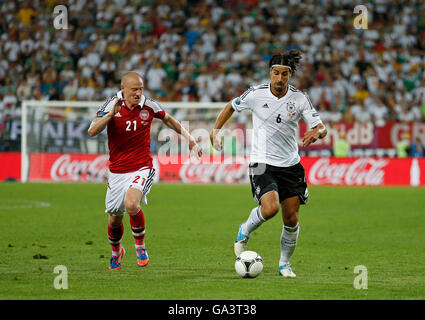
{"x":288,"y":58}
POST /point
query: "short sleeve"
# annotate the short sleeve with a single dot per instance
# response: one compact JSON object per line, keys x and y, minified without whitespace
{"x":309,"y":113}
{"x":244,"y":101}
{"x":106,"y":107}
{"x":159,"y":112}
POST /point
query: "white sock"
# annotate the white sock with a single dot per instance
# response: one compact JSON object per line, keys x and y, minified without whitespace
{"x":288,"y":242}
{"x":255,"y":220}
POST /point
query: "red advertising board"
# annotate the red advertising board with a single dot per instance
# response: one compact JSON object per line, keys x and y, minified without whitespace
{"x":319,"y":171}
{"x":364,"y":171}
{"x":68,"y":167}
{"x":10,"y":166}
{"x":227,"y":169}
{"x":366,"y":135}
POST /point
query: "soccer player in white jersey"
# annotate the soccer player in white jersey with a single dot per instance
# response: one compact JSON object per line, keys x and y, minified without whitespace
{"x":276,"y":174}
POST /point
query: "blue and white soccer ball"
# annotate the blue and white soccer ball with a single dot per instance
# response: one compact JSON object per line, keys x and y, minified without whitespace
{"x":249,"y":264}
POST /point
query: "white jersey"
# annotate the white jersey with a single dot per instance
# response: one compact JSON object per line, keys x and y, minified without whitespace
{"x":275,"y":123}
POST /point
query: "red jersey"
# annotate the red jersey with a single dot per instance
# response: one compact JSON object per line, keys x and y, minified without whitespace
{"x":129,"y":134}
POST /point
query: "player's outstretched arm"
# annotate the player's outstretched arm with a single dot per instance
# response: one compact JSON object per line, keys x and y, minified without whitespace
{"x":100,"y":123}
{"x":215,"y":136}
{"x":311,"y":136}
{"x":172,"y":123}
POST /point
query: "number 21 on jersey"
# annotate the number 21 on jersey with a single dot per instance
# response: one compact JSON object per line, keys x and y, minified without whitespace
{"x":130,"y":125}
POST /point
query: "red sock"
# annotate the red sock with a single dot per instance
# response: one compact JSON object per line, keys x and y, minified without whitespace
{"x":115,"y":235}
{"x":137,"y":222}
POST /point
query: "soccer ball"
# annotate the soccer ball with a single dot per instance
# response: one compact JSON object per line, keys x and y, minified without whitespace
{"x":249,"y":264}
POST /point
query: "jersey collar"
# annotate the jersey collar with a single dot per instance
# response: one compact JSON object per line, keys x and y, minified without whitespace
{"x":142,"y":100}
{"x":281,"y":98}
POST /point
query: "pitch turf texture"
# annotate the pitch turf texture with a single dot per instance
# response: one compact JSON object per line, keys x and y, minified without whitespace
{"x":190,"y":235}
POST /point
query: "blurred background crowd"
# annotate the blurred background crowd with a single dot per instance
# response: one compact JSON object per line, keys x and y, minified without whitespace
{"x":214,"y":50}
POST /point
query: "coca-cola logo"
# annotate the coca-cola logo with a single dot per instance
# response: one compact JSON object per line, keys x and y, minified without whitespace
{"x":236,"y":172}
{"x":364,"y":171}
{"x":65,"y":169}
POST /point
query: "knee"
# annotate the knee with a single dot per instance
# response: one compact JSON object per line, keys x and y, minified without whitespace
{"x":132,"y":201}
{"x":290,"y":219}
{"x":115,"y":221}
{"x":132,"y":206}
{"x":269,"y":210}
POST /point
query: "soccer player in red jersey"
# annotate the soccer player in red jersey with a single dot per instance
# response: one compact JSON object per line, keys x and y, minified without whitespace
{"x":128,"y":117}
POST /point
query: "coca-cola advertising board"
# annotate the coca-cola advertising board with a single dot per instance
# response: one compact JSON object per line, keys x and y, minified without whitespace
{"x":229,"y":170}
{"x":364,"y":171}
{"x":70,"y":167}
{"x":67,"y":167}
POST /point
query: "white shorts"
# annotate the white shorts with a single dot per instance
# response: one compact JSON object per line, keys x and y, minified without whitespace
{"x":119,"y":183}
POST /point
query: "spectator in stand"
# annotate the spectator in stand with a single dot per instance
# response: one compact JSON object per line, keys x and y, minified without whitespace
{"x":155,"y":77}
{"x":25,"y":13}
{"x":186,"y":90}
{"x":85,"y":90}
{"x":11,"y":111}
{"x":360,"y":112}
{"x":361,"y":92}
{"x":422,"y":109}
{"x":379,"y":112}
{"x":71,"y":89}
{"x":403,"y":146}
{"x":114,"y":35}
{"x":341,"y":147}
{"x":23,"y":90}
{"x":416,"y":149}
{"x":216,"y":85}
{"x":107,"y":68}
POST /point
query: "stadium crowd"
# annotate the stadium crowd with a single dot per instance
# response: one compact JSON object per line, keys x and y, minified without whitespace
{"x":213,"y":50}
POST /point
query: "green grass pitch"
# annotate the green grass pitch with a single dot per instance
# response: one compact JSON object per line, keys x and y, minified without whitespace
{"x":190,"y":233}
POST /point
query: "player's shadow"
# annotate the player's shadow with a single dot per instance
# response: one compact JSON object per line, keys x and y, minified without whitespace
{"x":207,"y":274}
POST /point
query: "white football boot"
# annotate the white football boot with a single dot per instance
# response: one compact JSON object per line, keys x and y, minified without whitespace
{"x":241,"y":242}
{"x":286,"y":271}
